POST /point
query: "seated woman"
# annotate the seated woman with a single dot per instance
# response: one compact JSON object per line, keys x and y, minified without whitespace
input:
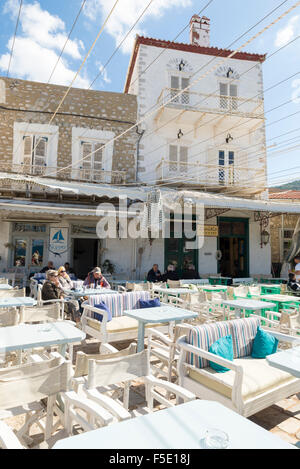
{"x":190,"y":273}
{"x":96,"y":278}
{"x":292,"y":283}
{"x":52,"y":291}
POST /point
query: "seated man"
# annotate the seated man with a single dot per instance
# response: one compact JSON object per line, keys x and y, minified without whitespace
{"x":154,"y":274}
{"x":190,"y":273}
{"x":69,"y":269}
{"x":95,"y":278}
{"x":170,"y":274}
{"x":52,"y":291}
{"x":49,"y":266}
{"x":292,"y":283}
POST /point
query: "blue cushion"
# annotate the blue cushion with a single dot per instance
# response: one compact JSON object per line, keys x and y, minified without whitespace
{"x":102,"y":306}
{"x":150,"y":303}
{"x":264,"y":344}
{"x":222,"y":348}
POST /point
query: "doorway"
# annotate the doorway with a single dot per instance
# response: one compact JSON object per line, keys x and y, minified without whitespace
{"x":233,"y":243}
{"x":85,"y":255}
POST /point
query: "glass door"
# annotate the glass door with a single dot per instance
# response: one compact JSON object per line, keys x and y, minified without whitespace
{"x":233,"y":242}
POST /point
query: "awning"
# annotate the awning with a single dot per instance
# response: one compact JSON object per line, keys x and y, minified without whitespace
{"x":232,"y":203}
{"x":80,"y":188}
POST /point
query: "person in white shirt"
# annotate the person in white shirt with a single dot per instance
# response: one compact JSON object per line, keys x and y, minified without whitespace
{"x":297,"y":267}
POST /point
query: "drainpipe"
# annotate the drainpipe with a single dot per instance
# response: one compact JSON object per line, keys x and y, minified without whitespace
{"x":140,"y":134}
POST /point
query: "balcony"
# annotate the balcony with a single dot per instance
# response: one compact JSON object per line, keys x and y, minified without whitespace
{"x":69,"y":174}
{"x":216,"y":178}
{"x":195,"y":106}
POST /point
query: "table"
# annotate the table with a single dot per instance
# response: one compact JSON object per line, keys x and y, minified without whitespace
{"x":220,"y":280}
{"x":279,"y":299}
{"x":245,"y":304}
{"x":173,"y":292}
{"x":267,"y":289}
{"x":200,"y":281}
{"x":89,"y":292}
{"x":16,"y":302}
{"x":28,"y":336}
{"x":287,"y":360}
{"x":159,"y":314}
{"x":5,"y":286}
{"x":181,"y":427}
{"x":216,"y":288}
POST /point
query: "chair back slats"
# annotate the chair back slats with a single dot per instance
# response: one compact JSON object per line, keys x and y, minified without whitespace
{"x":32,"y":382}
{"x":46,"y":313}
{"x":117,"y":370}
{"x":17,"y":292}
{"x":9,"y":317}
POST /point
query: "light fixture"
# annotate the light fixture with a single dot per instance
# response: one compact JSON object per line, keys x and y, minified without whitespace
{"x":181,"y":65}
{"x":229,"y":72}
{"x":265,"y":238}
{"x":229,"y":138}
{"x":180,"y":134}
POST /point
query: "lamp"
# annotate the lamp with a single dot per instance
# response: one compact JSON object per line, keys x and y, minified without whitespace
{"x":229,"y":138}
{"x":180,"y":134}
{"x":230,"y":72}
{"x":181,"y":65}
{"x":265,"y":237}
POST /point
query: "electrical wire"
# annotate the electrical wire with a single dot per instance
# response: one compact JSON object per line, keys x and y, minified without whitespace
{"x":14,"y":39}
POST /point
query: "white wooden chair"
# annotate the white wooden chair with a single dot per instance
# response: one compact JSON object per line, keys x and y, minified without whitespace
{"x":3,"y":281}
{"x":105,"y":373}
{"x":249,"y":386}
{"x":254,"y":291}
{"x":241,"y":291}
{"x":174,"y":283}
{"x":45,"y":313}
{"x":8,"y":439}
{"x":16,"y":292}
{"x":286,"y":321}
{"x":23,"y":387}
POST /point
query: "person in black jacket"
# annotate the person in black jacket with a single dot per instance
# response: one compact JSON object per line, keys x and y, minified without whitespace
{"x":292,"y":283}
{"x":154,"y":274}
{"x":170,"y":274}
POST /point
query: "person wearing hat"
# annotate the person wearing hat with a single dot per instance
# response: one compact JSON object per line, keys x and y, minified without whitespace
{"x":95,"y":278}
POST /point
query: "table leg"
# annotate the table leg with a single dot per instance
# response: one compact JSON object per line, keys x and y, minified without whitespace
{"x":141,"y":337}
{"x":238,"y":313}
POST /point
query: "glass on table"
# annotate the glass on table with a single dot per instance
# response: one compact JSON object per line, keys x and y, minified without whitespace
{"x":216,"y":439}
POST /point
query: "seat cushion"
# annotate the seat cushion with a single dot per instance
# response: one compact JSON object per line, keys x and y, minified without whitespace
{"x":243,"y":333}
{"x":259,"y":377}
{"x":203,"y":337}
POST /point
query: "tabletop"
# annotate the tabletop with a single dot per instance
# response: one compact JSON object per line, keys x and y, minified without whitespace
{"x":287,"y":360}
{"x":214,"y":287}
{"x":16,"y":302}
{"x":249,"y":304}
{"x":174,"y":291}
{"x":281,"y":298}
{"x":27,"y":336}
{"x":183,"y":427}
{"x":160,"y":314}
{"x":90,"y":292}
{"x":5,"y":286}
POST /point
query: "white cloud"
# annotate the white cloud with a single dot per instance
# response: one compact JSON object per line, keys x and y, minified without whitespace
{"x":288,"y":32}
{"x":41,"y":36}
{"x":296,"y":93}
{"x":125,"y":15}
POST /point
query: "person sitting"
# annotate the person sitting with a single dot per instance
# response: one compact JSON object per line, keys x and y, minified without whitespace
{"x":292,"y":283}
{"x":170,"y":274}
{"x":95,"y":278}
{"x":154,"y":274}
{"x":49,"y":266}
{"x":190,"y":273}
{"x":52,"y":291}
{"x":69,"y":269}
{"x":64,"y":280}
{"x":297,"y":267}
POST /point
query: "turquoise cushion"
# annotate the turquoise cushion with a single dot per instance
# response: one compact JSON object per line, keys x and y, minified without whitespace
{"x":222,"y":348}
{"x":264,"y":344}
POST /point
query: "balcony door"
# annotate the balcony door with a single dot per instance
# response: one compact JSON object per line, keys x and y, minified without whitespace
{"x":228,"y":96}
{"x":178,"y":159}
{"x":35,"y":154}
{"x":226,"y":167}
{"x":179,"y":83}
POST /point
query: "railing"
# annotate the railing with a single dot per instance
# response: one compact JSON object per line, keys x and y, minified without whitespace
{"x":69,"y":174}
{"x":213,"y":103}
{"x":209,"y":175}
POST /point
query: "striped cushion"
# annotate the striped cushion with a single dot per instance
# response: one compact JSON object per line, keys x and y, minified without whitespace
{"x":203,"y":337}
{"x":243,"y":332}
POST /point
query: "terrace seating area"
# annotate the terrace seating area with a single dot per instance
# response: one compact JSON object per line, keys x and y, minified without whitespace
{"x":153,"y":351}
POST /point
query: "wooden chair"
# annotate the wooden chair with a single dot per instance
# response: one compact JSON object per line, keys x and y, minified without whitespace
{"x":286,"y":321}
{"x":23,"y":387}
{"x":3,"y":281}
{"x":16,"y":292}
{"x":254,"y":291}
{"x":45,"y":313}
{"x":173,"y":283}
{"x":241,"y":291}
{"x":8,"y":439}
{"x":114,"y":371}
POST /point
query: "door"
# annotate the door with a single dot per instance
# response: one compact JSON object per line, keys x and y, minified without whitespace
{"x":177,"y":84}
{"x":226,"y":167}
{"x":177,"y":250}
{"x":233,"y":243}
{"x":85,"y":256}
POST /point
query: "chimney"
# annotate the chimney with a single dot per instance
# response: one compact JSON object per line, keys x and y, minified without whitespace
{"x":200,"y":31}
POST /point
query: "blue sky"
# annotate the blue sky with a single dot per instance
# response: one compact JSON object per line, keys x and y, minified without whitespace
{"x":45,"y":24}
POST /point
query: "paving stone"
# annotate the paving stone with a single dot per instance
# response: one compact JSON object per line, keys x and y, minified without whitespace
{"x":269,"y":418}
{"x":284,"y":436}
{"x":284,"y":404}
{"x":291,"y":426}
{"x":294,"y":410}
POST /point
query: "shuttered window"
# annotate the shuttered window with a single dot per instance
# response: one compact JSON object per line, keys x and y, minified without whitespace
{"x":178,"y":157}
{"x":35,"y":153}
{"x":228,"y":96}
{"x":177,"y":84}
{"x":92,"y":155}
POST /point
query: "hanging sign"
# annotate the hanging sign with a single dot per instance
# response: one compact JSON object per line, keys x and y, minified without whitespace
{"x":58,"y":240}
{"x":209,"y":231}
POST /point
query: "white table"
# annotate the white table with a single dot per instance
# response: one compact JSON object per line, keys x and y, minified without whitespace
{"x":287,"y":360}
{"x":157,"y":315}
{"x":180,"y":427}
{"x":199,"y":281}
{"x":17,"y":302}
{"x":89,"y":292}
{"x":245,"y":304}
{"x":5,"y":286}
{"x":173,"y":292}
{"x":28,"y":336}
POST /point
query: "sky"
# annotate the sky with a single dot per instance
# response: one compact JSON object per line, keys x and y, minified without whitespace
{"x":44,"y":26}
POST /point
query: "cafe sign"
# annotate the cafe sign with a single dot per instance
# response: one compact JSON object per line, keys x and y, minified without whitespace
{"x":208,"y":231}
{"x":58,"y":240}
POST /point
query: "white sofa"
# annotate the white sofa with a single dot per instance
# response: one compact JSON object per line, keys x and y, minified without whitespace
{"x":251,"y":384}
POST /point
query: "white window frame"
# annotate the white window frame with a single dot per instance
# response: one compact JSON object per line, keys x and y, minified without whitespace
{"x":80,"y":135}
{"x":23,"y":129}
{"x":228,"y":172}
{"x":178,"y":163}
{"x":182,"y":98}
{"x":228,"y":82}
{"x":283,"y":239}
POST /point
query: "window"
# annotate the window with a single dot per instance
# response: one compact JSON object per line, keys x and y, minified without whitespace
{"x":91,"y":154}
{"x":287,"y":236}
{"x":228,"y":96}
{"x":179,"y":83}
{"x":226,"y":167}
{"x":35,"y":153}
{"x":178,"y":158}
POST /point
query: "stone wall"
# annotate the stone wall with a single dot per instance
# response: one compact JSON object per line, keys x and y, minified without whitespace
{"x":277,"y":224}
{"x":25,"y":101}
